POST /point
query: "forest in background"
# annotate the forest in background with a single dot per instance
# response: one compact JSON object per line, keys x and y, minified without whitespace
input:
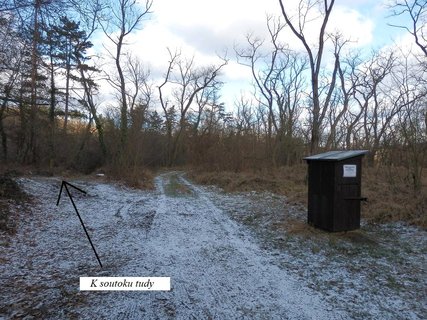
{"x":55,"y":115}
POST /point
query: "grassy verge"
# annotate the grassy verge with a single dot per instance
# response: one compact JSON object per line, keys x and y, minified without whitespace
{"x":289,"y":181}
{"x":392,"y":197}
{"x":390,"y":194}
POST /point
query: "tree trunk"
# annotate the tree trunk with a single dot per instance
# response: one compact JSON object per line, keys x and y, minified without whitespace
{"x":3,"y":133}
{"x":67,"y":91}
{"x":124,"y":107}
{"x":315,"y":130}
{"x":51,"y":141}
{"x":33,"y":107}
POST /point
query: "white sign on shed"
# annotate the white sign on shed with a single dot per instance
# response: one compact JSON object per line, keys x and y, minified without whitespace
{"x":349,"y":171}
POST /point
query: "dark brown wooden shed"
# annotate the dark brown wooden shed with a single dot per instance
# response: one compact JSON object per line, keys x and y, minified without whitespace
{"x":334,"y":190}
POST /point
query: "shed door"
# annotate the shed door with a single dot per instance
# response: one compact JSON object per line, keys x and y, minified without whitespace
{"x":348,"y":207}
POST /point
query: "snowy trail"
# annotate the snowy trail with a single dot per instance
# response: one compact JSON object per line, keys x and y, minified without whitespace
{"x":217,"y":271}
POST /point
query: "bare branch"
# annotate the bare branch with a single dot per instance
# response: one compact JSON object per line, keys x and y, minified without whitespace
{"x":417,"y":12}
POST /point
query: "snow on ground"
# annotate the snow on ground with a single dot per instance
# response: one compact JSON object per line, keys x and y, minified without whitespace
{"x":217,"y":271}
{"x":377,"y":272}
{"x":223,"y":256}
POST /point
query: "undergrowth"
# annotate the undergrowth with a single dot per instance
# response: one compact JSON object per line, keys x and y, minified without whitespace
{"x":135,"y":177}
{"x":10,"y":194}
{"x":390,"y":193}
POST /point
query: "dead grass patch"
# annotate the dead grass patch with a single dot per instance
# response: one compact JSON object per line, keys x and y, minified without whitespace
{"x":390,"y":194}
{"x":292,"y":226}
{"x":135,"y":177}
{"x":290,"y":181}
{"x":175,"y":188}
{"x":299,"y":227}
{"x":10,"y":194}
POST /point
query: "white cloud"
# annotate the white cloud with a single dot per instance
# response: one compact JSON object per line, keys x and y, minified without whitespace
{"x":355,"y":27}
{"x":205,"y":27}
{"x":208,"y":28}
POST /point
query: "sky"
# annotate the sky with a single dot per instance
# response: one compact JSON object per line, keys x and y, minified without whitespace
{"x":206,"y":29}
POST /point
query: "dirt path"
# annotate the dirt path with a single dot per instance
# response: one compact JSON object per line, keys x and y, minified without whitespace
{"x":217,"y":270}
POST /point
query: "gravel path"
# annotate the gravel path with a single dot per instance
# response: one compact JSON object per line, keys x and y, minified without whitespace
{"x":217,"y":269}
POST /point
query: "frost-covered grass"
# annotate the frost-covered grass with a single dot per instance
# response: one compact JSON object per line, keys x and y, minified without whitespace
{"x":377,"y":272}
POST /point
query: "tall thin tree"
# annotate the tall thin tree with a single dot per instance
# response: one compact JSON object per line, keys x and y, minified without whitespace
{"x":126,"y":16}
{"x":315,"y":57}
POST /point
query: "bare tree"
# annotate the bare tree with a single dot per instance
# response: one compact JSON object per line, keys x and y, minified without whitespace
{"x":376,"y":95}
{"x":126,"y":16}
{"x":416,"y":10}
{"x":411,"y":96}
{"x":345,"y":87}
{"x":252,"y":56}
{"x":12,"y":53}
{"x":278,"y":84}
{"x":188,"y":82}
{"x":207,"y":102}
{"x":140,"y":88}
{"x":139,"y":95}
{"x":244,"y":119}
{"x":185,"y":81}
{"x":354,"y":78}
{"x":315,"y":56}
{"x":168,"y":112}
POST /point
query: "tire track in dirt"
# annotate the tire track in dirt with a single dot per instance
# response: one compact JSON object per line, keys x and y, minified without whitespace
{"x":217,"y":271}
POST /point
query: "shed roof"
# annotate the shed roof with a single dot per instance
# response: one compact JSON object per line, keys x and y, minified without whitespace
{"x":336,"y":155}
